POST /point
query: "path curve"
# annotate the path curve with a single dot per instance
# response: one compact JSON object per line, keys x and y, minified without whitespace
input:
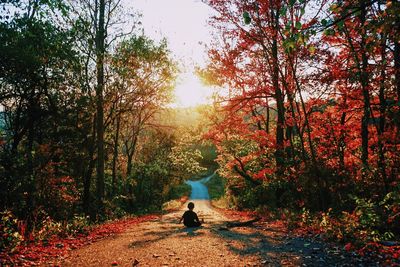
{"x":199,"y":189}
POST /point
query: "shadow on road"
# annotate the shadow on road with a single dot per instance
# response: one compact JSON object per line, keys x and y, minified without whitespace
{"x":273,"y":246}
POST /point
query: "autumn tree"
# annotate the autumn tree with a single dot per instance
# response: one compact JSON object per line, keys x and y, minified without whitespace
{"x":322,"y":78}
{"x":144,"y":77}
{"x":263,"y":57}
{"x":98,"y":24}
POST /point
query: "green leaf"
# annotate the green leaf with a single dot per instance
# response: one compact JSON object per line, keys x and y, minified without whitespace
{"x":311,"y":49}
{"x":246,"y":17}
{"x":329,"y":32}
{"x":298,"y":25}
{"x":324,"y":22}
{"x":283,"y":10}
{"x":340,"y":24}
{"x":290,"y":45}
{"x":292,"y":2}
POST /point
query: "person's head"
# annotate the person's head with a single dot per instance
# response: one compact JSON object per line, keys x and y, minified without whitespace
{"x":191,"y":205}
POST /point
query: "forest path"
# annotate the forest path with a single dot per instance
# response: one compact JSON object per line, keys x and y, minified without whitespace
{"x":164,"y":242}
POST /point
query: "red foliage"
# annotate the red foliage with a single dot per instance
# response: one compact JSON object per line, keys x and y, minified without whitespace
{"x":326,"y":141}
{"x":37,"y":253}
{"x":387,"y":255}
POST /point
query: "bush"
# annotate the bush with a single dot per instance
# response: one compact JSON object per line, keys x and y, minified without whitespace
{"x":78,"y":225}
{"x":179,"y":191}
{"x":391,"y":211}
{"x":369,"y":221}
{"x":10,"y":236}
{"x":280,"y":194}
{"x":12,"y":230}
{"x":117,"y":208}
{"x":216,"y":186}
{"x":48,"y":229}
{"x":368,"y":218}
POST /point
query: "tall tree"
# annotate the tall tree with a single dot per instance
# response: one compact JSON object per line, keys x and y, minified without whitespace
{"x":144,"y":77}
{"x":100,"y":54}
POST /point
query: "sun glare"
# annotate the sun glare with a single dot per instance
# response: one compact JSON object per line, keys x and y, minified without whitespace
{"x":190,"y":91}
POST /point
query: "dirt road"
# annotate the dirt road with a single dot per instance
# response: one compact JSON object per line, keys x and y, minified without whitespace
{"x":164,"y":242}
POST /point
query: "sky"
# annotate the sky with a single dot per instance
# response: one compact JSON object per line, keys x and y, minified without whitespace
{"x":184,"y":24}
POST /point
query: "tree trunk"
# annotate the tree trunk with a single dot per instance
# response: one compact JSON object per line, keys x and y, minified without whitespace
{"x":279,"y":153}
{"x":115,"y":155}
{"x":397,"y":67}
{"x":87,"y":176}
{"x":292,"y":128}
{"x":396,"y":56}
{"x":364,"y":87}
{"x":267,"y":118}
{"x":342,"y":141}
{"x":100,"y":50}
{"x":396,"y":59}
{"x":382,"y":117}
{"x":301,"y":134}
{"x":130,"y":156}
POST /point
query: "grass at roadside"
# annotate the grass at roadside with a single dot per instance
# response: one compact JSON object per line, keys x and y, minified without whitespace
{"x":216,"y":190}
{"x":216,"y":187}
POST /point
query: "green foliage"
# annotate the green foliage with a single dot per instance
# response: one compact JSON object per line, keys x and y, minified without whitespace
{"x":10,"y":237}
{"x":36,"y":62}
{"x":145,"y":69}
{"x":154,"y":174}
{"x":177,"y":196}
{"x":48,"y":129}
{"x":79,"y":224}
{"x":48,"y":228}
{"x":366,"y":210}
{"x":292,"y":3}
{"x":115,"y":209}
{"x":369,"y":221}
{"x":244,"y":195}
{"x":179,"y":191}
{"x":216,"y":186}
{"x":209,"y":155}
{"x":185,"y":157}
{"x":246,"y":17}
{"x":47,"y":146}
{"x":13,"y":232}
{"x":121,"y":205}
{"x":280,"y":194}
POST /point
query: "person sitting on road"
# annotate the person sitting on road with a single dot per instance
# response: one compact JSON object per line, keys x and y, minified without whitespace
{"x":190,"y":218}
